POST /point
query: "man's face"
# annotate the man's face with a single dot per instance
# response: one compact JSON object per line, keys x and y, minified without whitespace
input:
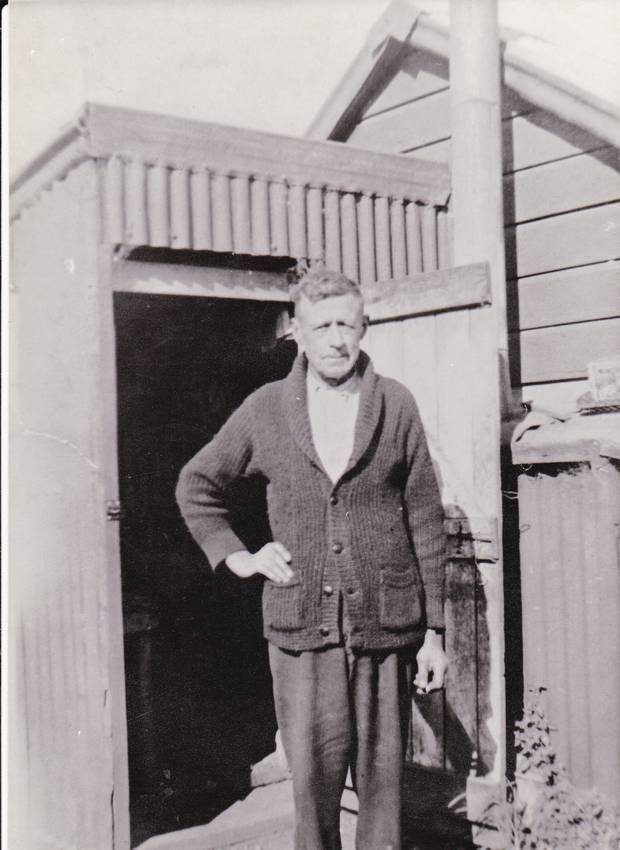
{"x":329,"y":332}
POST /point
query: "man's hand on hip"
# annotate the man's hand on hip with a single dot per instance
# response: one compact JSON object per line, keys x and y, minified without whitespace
{"x":271,"y":561}
{"x":432,"y":664}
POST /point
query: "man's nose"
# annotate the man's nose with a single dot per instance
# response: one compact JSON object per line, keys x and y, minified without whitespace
{"x":335,"y":336}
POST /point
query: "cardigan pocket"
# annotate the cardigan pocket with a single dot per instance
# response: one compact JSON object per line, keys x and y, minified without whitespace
{"x":400,"y":605}
{"x":283,"y":605}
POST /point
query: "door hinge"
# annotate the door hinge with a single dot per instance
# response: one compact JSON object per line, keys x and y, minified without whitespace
{"x":113,"y":510}
{"x":472,"y":538}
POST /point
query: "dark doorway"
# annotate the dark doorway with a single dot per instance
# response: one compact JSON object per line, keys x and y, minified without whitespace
{"x":199,"y":704}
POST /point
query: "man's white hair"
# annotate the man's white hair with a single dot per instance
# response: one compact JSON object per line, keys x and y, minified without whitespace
{"x":320,"y":283}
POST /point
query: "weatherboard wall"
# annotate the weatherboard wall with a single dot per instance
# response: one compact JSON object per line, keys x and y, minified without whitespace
{"x":562,"y":222}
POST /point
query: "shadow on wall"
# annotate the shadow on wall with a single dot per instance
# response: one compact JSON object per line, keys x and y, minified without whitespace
{"x":449,"y":727}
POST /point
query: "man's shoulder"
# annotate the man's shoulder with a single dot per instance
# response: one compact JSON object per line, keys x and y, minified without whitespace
{"x":396,"y":393}
{"x":256,"y":412}
{"x":401,"y":407}
{"x":265,"y":395}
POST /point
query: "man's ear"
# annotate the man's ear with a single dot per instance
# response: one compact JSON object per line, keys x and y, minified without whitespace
{"x":365,"y":323}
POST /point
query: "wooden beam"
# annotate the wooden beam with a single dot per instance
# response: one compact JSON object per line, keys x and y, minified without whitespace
{"x":415,"y":295}
{"x":419,"y":75}
{"x":368,"y":82}
{"x":430,"y":292}
{"x":524,"y":73}
{"x":207,"y":282}
{"x":372,"y":68}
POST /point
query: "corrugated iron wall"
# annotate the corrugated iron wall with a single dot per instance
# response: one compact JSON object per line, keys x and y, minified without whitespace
{"x":367,"y":236}
{"x":570,"y":574}
{"x":61,"y":740}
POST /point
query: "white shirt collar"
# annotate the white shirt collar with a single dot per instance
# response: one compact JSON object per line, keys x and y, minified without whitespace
{"x":349,"y":387}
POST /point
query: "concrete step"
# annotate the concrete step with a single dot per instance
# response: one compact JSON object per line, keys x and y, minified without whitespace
{"x":264,"y":820}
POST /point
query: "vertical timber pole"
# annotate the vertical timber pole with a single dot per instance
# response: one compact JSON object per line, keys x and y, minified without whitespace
{"x":477,"y":209}
{"x":477,"y":193}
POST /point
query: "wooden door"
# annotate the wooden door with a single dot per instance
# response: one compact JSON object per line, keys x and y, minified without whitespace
{"x":435,"y":334}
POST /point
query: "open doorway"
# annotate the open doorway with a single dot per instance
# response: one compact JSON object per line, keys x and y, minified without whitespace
{"x":199,"y":704}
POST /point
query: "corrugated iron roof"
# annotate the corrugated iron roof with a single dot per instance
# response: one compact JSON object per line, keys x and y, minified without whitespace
{"x":103,"y":131}
{"x":173,"y":183}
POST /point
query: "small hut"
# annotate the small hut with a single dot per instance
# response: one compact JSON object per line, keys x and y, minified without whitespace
{"x":149,"y":292}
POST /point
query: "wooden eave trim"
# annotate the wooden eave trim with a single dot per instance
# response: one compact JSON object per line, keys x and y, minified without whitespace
{"x":370,"y":69}
{"x":549,"y":91}
{"x":182,"y":143}
{"x":367,"y":81}
{"x":539,"y":86}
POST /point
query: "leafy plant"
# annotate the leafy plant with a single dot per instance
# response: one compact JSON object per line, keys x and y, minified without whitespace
{"x":542,"y":810}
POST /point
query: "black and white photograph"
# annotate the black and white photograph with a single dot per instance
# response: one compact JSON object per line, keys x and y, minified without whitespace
{"x":311,"y":425}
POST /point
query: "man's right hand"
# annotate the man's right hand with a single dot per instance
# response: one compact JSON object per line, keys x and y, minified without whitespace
{"x":271,"y":561}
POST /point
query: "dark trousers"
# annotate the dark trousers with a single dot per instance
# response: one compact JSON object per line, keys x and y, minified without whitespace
{"x":337,"y":708}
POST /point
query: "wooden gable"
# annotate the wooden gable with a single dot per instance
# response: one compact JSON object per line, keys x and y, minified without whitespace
{"x":561,"y":190}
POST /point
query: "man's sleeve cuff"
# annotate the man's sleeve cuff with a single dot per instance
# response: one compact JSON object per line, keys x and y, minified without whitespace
{"x":434,"y":615}
{"x":217,"y":547}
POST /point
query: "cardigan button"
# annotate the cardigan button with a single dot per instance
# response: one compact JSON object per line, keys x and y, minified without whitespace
{"x":328,"y":590}
{"x":324,"y":631}
{"x":333,"y":499}
{"x":337,"y":548}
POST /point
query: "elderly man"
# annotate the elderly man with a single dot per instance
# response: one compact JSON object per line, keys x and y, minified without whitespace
{"x":355,"y":571}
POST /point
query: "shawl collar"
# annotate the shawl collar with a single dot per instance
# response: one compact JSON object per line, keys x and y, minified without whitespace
{"x":368,"y":416}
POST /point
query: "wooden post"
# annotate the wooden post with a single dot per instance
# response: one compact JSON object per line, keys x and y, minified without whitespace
{"x":477,"y":194}
{"x":477,"y":207}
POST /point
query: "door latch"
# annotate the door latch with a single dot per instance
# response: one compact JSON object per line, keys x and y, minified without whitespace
{"x":472,"y":538}
{"x":113,"y":510}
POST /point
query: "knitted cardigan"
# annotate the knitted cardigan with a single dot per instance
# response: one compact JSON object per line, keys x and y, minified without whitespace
{"x":375,"y":537}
